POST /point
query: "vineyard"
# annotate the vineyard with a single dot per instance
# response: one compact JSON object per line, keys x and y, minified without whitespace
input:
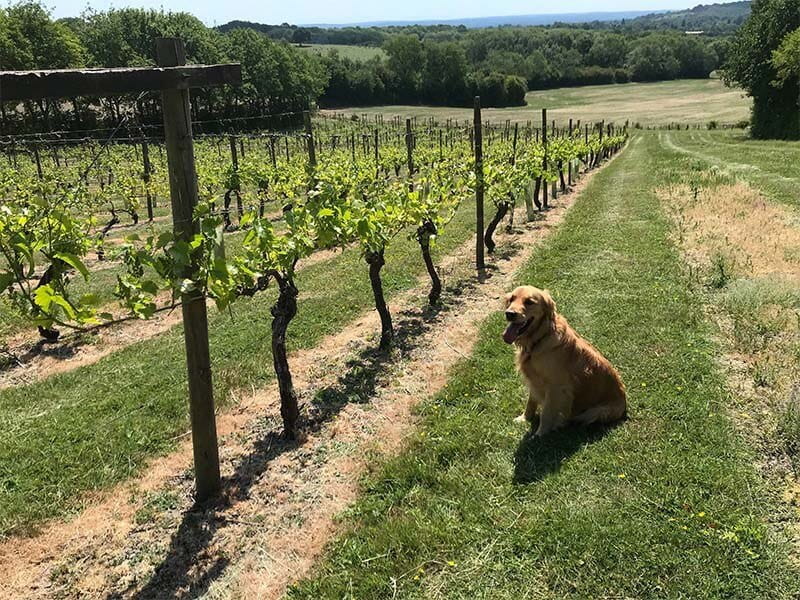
{"x":90,"y":242}
{"x":100,"y":210}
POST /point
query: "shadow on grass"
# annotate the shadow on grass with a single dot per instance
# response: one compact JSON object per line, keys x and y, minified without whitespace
{"x":537,"y":457}
{"x":191,"y":565}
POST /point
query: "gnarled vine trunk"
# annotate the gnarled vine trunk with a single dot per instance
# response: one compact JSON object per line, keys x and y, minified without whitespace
{"x":376,"y":261}
{"x":502,"y":209}
{"x":536,"y":189}
{"x":283,"y":311}
{"x":424,"y":234}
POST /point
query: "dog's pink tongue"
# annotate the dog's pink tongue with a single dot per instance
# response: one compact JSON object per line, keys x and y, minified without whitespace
{"x":511,"y":333}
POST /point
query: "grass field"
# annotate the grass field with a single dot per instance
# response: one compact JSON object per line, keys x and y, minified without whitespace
{"x":667,"y":505}
{"x":351,"y":52}
{"x":691,"y":101}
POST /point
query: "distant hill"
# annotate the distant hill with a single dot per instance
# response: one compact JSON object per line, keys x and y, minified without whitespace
{"x":710,"y":18}
{"x":514,"y":20}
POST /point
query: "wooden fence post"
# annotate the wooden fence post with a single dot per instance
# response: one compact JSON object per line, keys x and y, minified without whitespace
{"x":544,"y":160}
{"x":479,"y":256}
{"x":146,"y":178}
{"x":569,"y":167}
{"x":409,"y":149}
{"x":312,"y":151}
{"x":38,"y":160}
{"x":377,"y":154}
{"x":184,"y":197}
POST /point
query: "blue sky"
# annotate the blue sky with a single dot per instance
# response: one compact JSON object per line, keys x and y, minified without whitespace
{"x":349,"y":11}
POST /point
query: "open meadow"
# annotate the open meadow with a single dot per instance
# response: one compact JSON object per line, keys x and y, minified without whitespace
{"x":352,"y":52}
{"x":689,"y":101}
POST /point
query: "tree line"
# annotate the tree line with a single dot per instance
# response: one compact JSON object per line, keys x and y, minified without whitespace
{"x":277,"y":78}
{"x":438,"y":65}
{"x":418,"y":62}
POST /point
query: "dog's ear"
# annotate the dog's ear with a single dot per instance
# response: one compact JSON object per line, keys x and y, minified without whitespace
{"x":549,"y":304}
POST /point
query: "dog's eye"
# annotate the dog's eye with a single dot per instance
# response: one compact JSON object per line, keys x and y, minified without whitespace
{"x":529,"y":302}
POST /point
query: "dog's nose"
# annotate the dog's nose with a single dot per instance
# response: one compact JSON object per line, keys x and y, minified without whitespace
{"x":510,"y":315}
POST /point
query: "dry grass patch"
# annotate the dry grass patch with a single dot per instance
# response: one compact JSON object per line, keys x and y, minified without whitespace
{"x":759,"y":239}
{"x":745,"y":250}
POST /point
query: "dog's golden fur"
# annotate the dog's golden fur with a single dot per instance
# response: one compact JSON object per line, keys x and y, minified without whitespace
{"x":568,"y":379}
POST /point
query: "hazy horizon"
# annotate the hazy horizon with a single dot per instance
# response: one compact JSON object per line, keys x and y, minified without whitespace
{"x":317,"y":12}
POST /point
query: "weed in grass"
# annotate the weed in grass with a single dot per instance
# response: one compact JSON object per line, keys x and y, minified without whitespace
{"x":156,"y":504}
{"x":789,"y":427}
{"x":764,"y":373}
{"x":721,"y":271}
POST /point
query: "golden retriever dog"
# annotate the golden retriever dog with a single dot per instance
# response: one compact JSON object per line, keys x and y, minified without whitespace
{"x":568,"y":379}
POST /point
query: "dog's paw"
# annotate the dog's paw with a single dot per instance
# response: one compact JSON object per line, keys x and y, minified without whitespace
{"x":521,"y":419}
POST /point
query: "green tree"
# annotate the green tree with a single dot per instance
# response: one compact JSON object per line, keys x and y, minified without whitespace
{"x":51,"y":45}
{"x":652,"y":60}
{"x":697,"y":59}
{"x":786,"y":59}
{"x":608,"y":50}
{"x":445,"y":72}
{"x":16,"y":52}
{"x":406,"y":61}
{"x":750,"y":65}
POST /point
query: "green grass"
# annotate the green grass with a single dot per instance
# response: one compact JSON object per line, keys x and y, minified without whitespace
{"x":695,"y":101}
{"x":667,"y":505}
{"x":96,"y":425}
{"x":361,"y":53}
{"x":772,"y":166}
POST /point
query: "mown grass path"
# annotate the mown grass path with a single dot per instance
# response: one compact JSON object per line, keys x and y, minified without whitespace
{"x":768,"y":165}
{"x":667,"y":505}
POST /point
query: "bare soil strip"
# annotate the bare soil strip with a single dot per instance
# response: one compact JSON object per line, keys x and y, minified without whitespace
{"x":145,"y":539}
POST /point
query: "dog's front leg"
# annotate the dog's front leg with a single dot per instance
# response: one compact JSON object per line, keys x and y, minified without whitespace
{"x":529,"y":416}
{"x":554,"y":410}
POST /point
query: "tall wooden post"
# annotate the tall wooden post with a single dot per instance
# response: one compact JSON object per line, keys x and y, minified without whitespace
{"x":146,"y":178}
{"x":544,"y":160}
{"x":409,"y":149}
{"x":514,"y":144}
{"x":184,"y":196}
{"x":272,"y":154}
{"x":38,"y":160}
{"x":312,"y":151}
{"x":377,"y":154}
{"x":569,"y":167}
{"x":479,"y":256}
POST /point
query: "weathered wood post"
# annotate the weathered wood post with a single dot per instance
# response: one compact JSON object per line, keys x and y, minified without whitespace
{"x":377,"y":154}
{"x":479,"y":256}
{"x":544,"y":160}
{"x":312,"y":151}
{"x":146,"y":178}
{"x":38,"y":160}
{"x":409,"y":149}
{"x":184,"y":196}
{"x":569,"y":167}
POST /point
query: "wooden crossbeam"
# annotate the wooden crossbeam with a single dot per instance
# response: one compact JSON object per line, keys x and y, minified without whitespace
{"x":69,"y":83}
